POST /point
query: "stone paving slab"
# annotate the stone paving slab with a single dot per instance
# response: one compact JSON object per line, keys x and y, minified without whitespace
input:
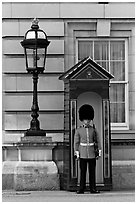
{"x":66,"y":196}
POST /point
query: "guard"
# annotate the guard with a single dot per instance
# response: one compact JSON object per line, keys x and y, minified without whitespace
{"x":87,"y":147}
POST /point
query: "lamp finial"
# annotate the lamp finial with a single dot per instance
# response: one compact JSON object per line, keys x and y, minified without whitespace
{"x":35,"y":23}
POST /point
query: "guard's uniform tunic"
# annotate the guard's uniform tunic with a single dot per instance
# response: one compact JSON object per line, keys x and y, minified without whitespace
{"x":84,"y":143}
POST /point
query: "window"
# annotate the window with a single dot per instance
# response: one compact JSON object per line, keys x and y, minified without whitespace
{"x":111,"y":54}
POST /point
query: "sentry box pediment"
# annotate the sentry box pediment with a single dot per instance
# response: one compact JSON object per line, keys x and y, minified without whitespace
{"x":86,"y":69}
{"x":87,"y":75}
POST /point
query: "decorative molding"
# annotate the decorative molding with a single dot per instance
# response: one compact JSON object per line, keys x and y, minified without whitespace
{"x":122,"y":142}
{"x":30,"y":92}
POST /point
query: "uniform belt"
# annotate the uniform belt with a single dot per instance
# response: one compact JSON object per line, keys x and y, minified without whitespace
{"x":86,"y":144}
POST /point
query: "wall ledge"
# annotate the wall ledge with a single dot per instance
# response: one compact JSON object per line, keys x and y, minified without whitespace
{"x":123,"y":163}
{"x":123,"y":141}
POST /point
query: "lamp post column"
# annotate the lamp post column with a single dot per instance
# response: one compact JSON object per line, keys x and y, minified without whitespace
{"x":34,"y":124}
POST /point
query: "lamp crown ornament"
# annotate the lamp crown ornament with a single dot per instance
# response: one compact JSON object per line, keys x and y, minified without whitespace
{"x":35,"y":23}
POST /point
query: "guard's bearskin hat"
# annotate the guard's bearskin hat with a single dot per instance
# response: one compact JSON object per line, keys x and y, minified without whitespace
{"x":86,"y":112}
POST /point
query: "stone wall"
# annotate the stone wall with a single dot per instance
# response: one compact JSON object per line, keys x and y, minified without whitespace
{"x":30,"y":175}
{"x":123,"y":175}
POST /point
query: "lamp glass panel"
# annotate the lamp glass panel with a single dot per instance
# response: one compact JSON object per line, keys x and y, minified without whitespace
{"x":41,"y":57}
{"x":31,"y":58}
{"x":30,"y":35}
{"x":41,"y":35}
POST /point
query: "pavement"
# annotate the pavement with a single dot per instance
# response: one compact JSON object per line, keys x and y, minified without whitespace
{"x":66,"y":196}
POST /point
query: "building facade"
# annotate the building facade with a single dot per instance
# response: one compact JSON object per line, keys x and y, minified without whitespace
{"x":103,"y":31}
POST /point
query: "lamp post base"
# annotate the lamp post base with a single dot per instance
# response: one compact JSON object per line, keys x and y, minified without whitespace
{"x":30,"y":132}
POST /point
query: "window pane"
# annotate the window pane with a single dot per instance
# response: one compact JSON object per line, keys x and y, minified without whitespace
{"x":118,"y":70}
{"x":85,"y":49}
{"x":117,"y":92}
{"x":117,"y":107}
{"x":101,"y":50}
{"x":104,"y":64}
{"x":117,"y":50}
{"x":117,"y":112}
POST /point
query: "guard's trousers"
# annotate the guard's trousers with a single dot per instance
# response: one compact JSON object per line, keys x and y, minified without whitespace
{"x":83,"y":169}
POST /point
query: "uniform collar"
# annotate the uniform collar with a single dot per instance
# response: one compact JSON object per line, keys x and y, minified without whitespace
{"x":87,"y":126}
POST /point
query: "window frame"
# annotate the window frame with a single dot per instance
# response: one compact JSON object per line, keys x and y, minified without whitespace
{"x":114,"y":126}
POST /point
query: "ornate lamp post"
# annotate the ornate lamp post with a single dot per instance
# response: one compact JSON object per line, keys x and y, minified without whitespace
{"x":35,"y":45}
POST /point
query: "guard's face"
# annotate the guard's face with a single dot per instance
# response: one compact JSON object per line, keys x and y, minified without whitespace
{"x":86,"y":122}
